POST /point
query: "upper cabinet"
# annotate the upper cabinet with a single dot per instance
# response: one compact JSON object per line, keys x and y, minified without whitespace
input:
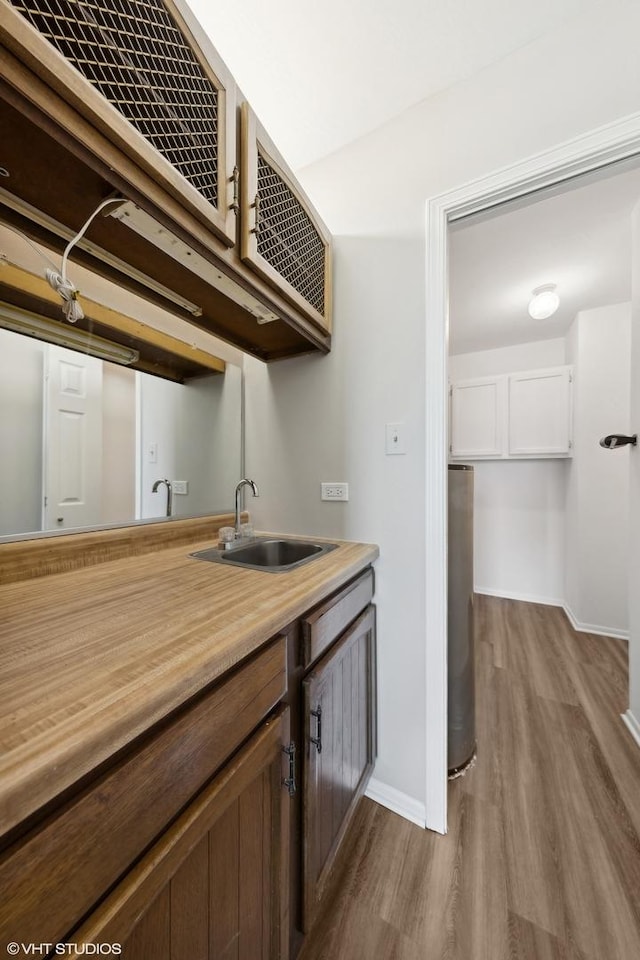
{"x":477,"y":417}
{"x":283,"y":239}
{"x":148,"y":88}
{"x":129,"y":99}
{"x":540,"y":413}
{"x":512,"y":416}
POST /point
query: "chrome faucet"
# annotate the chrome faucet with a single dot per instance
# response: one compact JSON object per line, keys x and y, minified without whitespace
{"x":169,"y":493}
{"x":256,"y":493}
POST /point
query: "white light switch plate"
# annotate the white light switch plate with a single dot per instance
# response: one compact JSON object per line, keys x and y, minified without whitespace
{"x":395,"y":442}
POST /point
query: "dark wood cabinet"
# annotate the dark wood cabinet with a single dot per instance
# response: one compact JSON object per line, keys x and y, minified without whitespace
{"x":59,"y":871}
{"x":195,"y":841}
{"x":339,"y":711}
{"x":215,"y":886}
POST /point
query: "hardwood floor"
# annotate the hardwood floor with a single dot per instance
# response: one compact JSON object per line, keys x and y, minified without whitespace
{"x":542,"y":858}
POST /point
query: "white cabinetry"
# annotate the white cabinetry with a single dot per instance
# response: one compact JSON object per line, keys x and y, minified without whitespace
{"x":540,"y":413}
{"x":515,"y":415}
{"x":477,"y":428}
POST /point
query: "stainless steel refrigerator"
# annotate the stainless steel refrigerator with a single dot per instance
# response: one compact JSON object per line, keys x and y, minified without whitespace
{"x":461,"y":671}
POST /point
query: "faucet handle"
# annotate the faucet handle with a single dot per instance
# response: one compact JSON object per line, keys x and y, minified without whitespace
{"x":226,"y":536}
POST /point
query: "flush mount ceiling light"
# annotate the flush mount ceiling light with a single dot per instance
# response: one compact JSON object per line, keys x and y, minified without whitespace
{"x":544,"y":302}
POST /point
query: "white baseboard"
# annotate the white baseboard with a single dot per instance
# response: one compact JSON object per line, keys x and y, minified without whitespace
{"x":594,"y":627}
{"x":396,"y":801}
{"x":632,"y":725}
{"x":525,"y":597}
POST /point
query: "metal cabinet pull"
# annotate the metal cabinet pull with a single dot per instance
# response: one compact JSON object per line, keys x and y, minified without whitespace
{"x":235,"y":177}
{"x":317,"y":740}
{"x":290,"y":781}
{"x":256,"y":206}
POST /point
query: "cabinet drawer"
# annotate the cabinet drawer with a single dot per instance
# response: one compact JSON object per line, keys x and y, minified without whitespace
{"x":323,"y":626}
{"x":55,"y":875}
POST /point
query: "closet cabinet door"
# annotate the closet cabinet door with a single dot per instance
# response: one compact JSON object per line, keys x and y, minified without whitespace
{"x":540,"y":411}
{"x":477,"y":418}
{"x":282,"y":237}
{"x":215,"y":886}
{"x":339,"y":709}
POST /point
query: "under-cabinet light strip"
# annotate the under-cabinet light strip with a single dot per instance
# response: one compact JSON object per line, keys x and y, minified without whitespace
{"x":32,"y":213}
{"x":53,"y":331}
{"x":145,"y":226}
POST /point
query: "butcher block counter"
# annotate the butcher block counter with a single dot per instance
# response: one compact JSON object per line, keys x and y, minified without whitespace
{"x":93,"y":658}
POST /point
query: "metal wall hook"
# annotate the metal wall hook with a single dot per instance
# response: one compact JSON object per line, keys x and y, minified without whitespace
{"x":613,"y":440}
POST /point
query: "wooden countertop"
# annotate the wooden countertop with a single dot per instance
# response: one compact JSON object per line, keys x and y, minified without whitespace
{"x":91,"y":659}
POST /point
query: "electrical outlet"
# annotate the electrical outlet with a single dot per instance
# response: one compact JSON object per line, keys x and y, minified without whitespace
{"x":180,"y":487}
{"x":334,"y":491}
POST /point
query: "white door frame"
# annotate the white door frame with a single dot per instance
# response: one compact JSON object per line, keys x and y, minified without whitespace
{"x":605,"y":145}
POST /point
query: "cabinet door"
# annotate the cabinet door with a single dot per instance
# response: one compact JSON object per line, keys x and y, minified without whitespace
{"x":282,"y":237}
{"x":540,"y":413}
{"x":339,"y":705}
{"x":477,"y":417}
{"x":215,"y":886}
{"x":145,"y":75}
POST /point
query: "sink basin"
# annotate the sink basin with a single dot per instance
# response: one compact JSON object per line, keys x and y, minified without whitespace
{"x":274,"y":555}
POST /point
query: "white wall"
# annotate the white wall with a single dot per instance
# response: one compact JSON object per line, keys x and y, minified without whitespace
{"x":21,"y":385}
{"x":372,"y":195}
{"x":518,"y":504}
{"x":521,"y":356}
{"x":118,"y":444}
{"x":596,"y":589}
{"x":196,"y":429}
{"x":323,"y":419}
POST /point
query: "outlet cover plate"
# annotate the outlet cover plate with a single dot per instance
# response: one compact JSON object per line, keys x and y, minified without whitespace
{"x":181,"y":487}
{"x":334,"y":491}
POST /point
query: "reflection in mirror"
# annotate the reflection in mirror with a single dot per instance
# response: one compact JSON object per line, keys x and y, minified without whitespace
{"x":83,"y":441}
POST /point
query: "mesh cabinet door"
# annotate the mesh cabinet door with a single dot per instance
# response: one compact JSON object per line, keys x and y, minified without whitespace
{"x":145,"y":75}
{"x":282,"y":237}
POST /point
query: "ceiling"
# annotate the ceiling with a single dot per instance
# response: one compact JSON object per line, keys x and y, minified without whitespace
{"x":579,"y":239}
{"x":323,"y":75}
{"x":320,"y":75}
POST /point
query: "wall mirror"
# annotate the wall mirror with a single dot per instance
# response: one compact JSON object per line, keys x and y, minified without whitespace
{"x":83,"y":440}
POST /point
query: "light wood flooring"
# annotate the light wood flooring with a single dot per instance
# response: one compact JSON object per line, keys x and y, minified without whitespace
{"x":542,"y":857}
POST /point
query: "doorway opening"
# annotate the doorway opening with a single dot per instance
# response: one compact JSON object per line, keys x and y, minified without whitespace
{"x":549,"y":172}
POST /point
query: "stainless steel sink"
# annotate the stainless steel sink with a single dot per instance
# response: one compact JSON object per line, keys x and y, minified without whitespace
{"x":274,"y":555}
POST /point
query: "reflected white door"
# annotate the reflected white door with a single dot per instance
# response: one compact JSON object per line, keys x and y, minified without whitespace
{"x":633,"y":716}
{"x":72,"y":440}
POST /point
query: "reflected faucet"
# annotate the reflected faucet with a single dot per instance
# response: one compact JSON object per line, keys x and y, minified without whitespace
{"x":256,"y":493}
{"x":169,"y":493}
